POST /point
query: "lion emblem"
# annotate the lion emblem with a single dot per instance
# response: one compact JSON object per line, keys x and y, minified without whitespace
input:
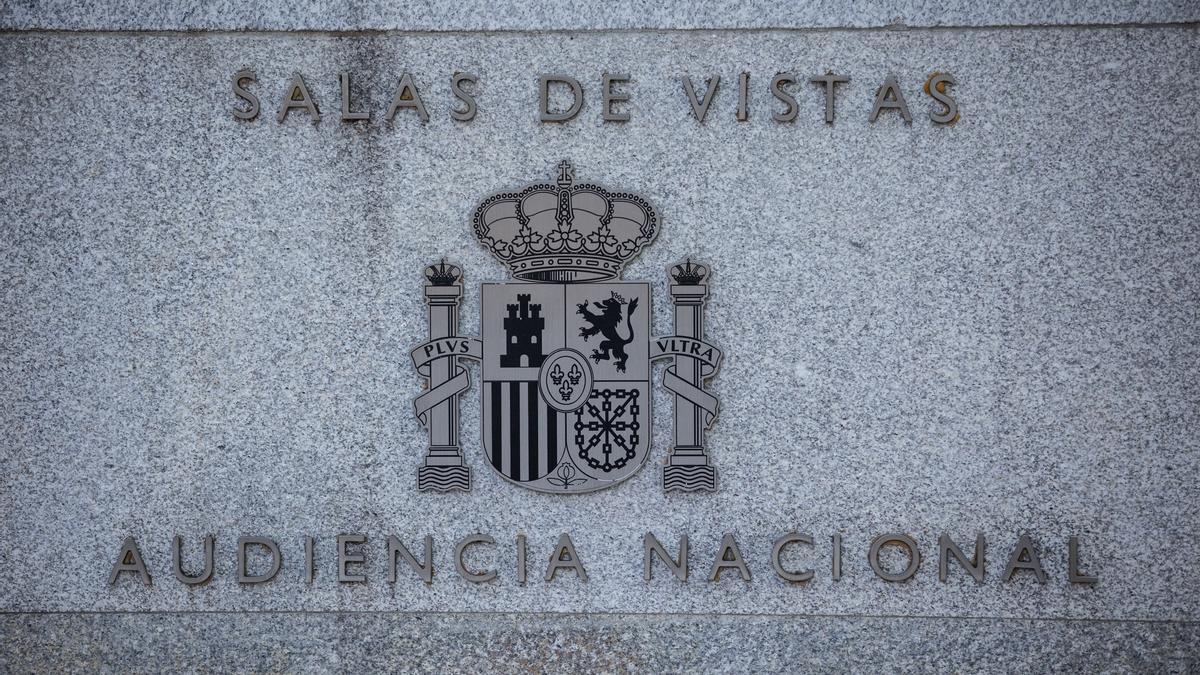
{"x":606,"y":323}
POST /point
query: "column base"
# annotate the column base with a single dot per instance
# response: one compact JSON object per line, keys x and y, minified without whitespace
{"x":443,"y":479}
{"x":443,"y":455}
{"x":693,"y":478}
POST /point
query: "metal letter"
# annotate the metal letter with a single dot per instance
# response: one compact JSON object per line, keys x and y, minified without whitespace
{"x":456,"y":82}
{"x":345,"y":557}
{"x":830,"y":81}
{"x":475,"y":577}
{"x":652,"y":547}
{"x":348,"y":116}
{"x":608,"y":97}
{"x":247,"y":96}
{"x":309,"y":567}
{"x":443,"y":469}
{"x":777,"y":83}
{"x":129,"y":560}
{"x":407,"y":96}
{"x":898,"y":539}
{"x":1073,"y":574}
{"x":565,"y":547}
{"x":177,"y":554}
{"x":938,"y":86}
{"x":700,"y":108}
{"x":890,"y":97}
{"x":695,"y":361}
{"x":544,"y":114}
{"x":423,"y":569}
{"x":777,"y":550}
{"x":1025,"y":557}
{"x":743,"y":111}
{"x":728,"y":557}
{"x":837,"y":557}
{"x":304,"y":101}
{"x":244,"y":577}
{"x":522,"y":568}
{"x":947,"y":547}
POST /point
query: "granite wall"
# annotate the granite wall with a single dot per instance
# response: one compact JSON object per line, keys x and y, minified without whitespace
{"x":982,"y":327}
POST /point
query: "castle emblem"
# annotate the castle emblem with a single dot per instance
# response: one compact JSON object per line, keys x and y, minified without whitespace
{"x":566,"y":348}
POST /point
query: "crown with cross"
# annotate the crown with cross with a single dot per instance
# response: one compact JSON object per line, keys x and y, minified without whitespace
{"x":563,"y":232}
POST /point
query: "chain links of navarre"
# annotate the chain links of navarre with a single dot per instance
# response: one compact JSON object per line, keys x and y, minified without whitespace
{"x":634,"y":410}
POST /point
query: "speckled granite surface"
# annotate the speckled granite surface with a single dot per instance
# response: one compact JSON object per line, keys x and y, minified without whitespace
{"x":986,"y":327}
{"x":575,"y":14}
{"x":289,"y":642}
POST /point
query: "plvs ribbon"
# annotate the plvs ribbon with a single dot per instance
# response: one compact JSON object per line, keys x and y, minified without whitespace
{"x":424,"y":356}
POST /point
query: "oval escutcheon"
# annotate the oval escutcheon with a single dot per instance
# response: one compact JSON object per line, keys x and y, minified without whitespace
{"x":565,"y":380}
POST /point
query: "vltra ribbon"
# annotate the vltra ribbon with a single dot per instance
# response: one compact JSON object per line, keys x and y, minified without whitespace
{"x":709,"y":357}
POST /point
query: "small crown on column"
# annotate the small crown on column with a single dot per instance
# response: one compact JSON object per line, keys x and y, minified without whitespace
{"x":443,"y":274}
{"x":687,"y":274}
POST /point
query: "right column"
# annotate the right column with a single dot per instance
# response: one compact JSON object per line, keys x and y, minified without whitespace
{"x":688,"y":468}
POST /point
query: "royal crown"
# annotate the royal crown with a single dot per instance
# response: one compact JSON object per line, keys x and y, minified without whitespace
{"x":687,"y":274}
{"x":443,"y":274}
{"x":562,"y":232}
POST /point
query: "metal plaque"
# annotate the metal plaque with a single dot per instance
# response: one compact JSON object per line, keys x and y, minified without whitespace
{"x":566,"y":348}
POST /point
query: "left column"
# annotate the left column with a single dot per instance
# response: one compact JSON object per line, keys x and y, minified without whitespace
{"x":443,"y":469}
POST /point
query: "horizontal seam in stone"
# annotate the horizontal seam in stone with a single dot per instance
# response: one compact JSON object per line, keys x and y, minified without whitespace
{"x":556,"y":615}
{"x":500,"y":32}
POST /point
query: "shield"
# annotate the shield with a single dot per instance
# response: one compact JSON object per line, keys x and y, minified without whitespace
{"x":566,"y":383}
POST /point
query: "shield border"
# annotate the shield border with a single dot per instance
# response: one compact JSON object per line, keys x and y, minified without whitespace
{"x":649,"y":404}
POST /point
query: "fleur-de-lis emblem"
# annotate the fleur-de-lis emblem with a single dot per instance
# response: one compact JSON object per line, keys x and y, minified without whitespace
{"x":566,"y":381}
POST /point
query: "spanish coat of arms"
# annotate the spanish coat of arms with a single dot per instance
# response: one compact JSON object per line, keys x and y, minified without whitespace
{"x":566,"y":348}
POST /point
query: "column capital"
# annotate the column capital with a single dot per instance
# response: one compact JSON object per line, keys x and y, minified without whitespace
{"x":443,"y":295}
{"x":693,"y":294}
